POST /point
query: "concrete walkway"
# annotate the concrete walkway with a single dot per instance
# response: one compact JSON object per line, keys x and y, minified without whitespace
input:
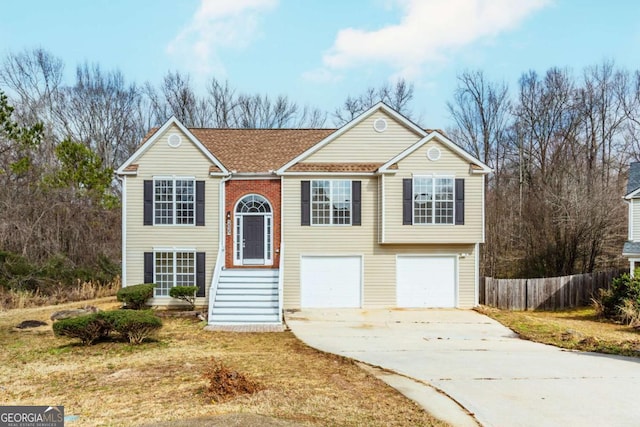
{"x":499,"y":378}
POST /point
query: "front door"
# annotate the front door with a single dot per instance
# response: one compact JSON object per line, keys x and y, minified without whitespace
{"x":253,"y":239}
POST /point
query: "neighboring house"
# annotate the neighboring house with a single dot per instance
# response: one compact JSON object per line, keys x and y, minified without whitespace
{"x":378,"y":213}
{"x":631,"y":248}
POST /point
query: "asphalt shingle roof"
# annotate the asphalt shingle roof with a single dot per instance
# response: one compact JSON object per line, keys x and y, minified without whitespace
{"x":634,"y":177}
{"x":631,"y":248}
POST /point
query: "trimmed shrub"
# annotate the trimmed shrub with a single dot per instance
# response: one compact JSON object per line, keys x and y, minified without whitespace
{"x":136,"y":296}
{"x":185,"y":293}
{"x":134,"y":325}
{"x":86,"y":328}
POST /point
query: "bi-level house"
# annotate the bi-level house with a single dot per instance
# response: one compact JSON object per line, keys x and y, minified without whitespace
{"x":631,"y":248}
{"x":377,"y":213}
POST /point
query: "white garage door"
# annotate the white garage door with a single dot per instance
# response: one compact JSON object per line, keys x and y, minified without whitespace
{"x":424,"y":281}
{"x":330,"y":282}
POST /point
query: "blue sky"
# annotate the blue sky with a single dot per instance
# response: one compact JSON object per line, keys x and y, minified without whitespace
{"x":319,"y":51}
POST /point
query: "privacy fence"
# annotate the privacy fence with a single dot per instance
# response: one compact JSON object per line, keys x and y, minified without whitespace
{"x":549,"y":293}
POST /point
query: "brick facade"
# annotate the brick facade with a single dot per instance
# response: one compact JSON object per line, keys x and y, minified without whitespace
{"x":236,"y":190}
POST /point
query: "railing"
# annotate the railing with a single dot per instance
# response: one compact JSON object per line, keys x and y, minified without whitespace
{"x":213,"y":289}
{"x":280,"y":283}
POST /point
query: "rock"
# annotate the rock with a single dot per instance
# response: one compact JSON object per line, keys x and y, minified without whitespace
{"x":570,"y":335}
{"x":66,"y":314}
{"x":31,"y":324}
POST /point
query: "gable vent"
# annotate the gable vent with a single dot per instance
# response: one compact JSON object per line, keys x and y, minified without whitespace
{"x":380,"y":124}
{"x":433,"y":154}
{"x":174,"y":140}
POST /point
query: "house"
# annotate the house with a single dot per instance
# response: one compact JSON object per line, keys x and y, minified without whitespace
{"x":631,"y":248}
{"x":377,"y":213}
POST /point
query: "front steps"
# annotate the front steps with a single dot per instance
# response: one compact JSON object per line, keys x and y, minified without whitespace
{"x":245,"y":297}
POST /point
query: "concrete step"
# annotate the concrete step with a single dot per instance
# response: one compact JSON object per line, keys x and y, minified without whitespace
{"x":272,"y":304}
{"x":243,"y":310}
{"x":259,"y":318}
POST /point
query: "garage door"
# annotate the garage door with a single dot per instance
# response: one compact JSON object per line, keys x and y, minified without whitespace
{"x":426,"y":281}
{"x":330,"y":282}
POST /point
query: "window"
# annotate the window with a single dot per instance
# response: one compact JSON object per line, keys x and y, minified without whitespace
{"x":433,"y":200}
{"x":173,"y":269}
{"x":331,"y":202}
{"x":174,"y":201}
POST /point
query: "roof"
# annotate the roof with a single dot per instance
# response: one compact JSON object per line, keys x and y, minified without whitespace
{"x":634,"y":177}
{"x":335,"y":167}
{"x":631,"y":248}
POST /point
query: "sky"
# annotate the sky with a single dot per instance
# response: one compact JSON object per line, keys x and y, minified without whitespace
{"x":317,"y":52}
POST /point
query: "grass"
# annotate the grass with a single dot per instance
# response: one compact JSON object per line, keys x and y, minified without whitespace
{"x":574,"y":329}
{"x":115,"y":383}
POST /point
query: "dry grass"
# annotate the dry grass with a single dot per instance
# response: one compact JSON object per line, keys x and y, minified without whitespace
{"x":120,"y":384}
{"x":575,"y":329}
{"x":81,"y":291}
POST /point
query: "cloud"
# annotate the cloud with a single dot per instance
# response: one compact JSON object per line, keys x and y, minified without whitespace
{"x":429,"y":31}
{"x":217,"y":25}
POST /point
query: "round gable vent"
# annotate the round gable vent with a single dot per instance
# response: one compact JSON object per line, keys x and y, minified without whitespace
{"x":380,"y":124}
{"x":433,"y":154}
{"x":174,"y":140}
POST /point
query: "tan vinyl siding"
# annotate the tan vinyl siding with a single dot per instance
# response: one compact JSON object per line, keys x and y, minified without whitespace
{"x":163,"y":160}
{"x":636,"y":220}
{"x":364,"y":144}
{"x":379,"y":261}
{"x":449,"y":164}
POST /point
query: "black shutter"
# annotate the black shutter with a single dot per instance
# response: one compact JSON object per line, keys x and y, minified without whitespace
{"x":148,"y":202}
{"x":148,"y":267}
{"x":305,"y":200}
{"x":199,"y":202}
{"x":201,"y":273}
{"x":355,"y":202}
{"x":407,"y":201}
{"x":459,"y":207}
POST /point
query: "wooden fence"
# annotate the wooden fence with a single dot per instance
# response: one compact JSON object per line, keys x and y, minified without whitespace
{"x":550,"y":293}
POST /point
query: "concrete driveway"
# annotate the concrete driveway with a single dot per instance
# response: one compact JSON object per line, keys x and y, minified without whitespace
{"x":499,"y":378}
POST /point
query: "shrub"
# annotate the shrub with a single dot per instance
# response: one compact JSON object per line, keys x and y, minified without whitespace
{"x":185,"y":293}
{"x":136,"y":296}
{"x":86,"y":328}
{"x":622,"y":300}
{"x":134,"y":325}
{"x":224,"y":383}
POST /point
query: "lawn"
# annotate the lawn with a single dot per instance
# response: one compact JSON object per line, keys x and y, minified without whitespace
{"x":575,"y":329}
{"x":115,"y":383}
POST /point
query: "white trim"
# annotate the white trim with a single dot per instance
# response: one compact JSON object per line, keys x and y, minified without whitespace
{"x":254,"y":177}
{"x":331,"y":217}
{"x":442,"y":139}
{"x":127,"y":173}
{"x":238,"y":259}
{"x":380,"y":106}
{"x":483,"y":208}
{"x":433,"y":177}
{"x":476,"y":274}
{"x":124,"y":231}
{"x":630,"y":221}
{"x":633,"y":194}
{"x":174,"y":252}
{"x":174,"y":178}
{"x":159,"y":133}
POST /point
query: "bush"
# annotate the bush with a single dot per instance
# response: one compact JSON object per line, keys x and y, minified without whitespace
{"x":185,"y":293}
{"x":136,"y":296}
{"x":86,"y":328}
{"x":134,"y":325}
{"x":622,"y":300}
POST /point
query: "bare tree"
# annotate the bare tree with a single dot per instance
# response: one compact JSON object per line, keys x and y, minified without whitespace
{"x":397,"y":97}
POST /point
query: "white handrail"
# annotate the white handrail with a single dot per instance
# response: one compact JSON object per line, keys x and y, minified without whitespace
{"x":213,"y":289}
{"x":280,"y":280}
